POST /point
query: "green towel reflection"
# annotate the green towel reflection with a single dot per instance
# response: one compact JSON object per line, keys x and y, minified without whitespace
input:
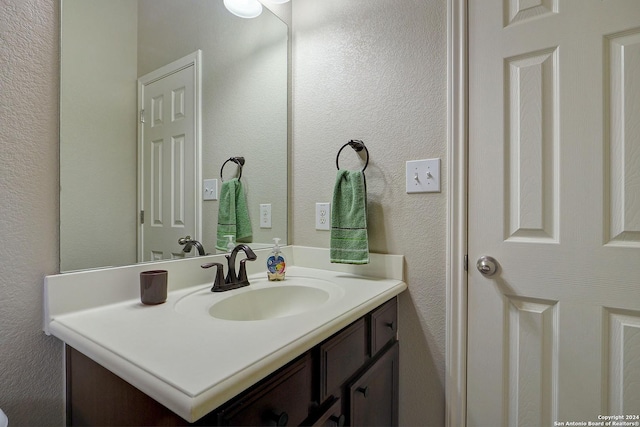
{"x":233,"y":214}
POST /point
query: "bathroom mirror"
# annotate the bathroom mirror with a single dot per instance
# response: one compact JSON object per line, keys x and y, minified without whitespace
{"x":106,"y":46}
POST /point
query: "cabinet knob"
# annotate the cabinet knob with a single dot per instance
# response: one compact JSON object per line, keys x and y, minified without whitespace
{"x":340,"y":421}
{"x":390,"y":325}
{"x":280,"y":419}
{"x":364,"y":390}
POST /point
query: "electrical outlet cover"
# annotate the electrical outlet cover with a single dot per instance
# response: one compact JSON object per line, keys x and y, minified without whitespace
{"x":265,"y":215}
{"x":323,"y":216}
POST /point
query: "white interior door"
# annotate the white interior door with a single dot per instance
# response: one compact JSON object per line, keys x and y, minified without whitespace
{"x":170,"y":160}
{"x":554,"y":197}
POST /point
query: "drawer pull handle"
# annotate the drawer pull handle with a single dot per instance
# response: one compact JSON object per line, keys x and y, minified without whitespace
{"x":363,"y":390}
{"x":340,"y":421}
{"x":280,"y":419}
{"x":390,"y":325}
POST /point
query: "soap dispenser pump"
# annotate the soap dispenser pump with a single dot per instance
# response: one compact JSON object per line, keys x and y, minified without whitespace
{"x":230,"y":244}
{"x":276,"y":265}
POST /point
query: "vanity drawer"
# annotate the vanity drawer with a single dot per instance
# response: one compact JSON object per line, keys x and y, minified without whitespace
{"x":283,"y":399}
{"x":341,"y":356}
{"x":384,"y":325}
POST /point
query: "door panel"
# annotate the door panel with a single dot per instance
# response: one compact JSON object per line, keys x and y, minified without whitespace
{"x":622,"y":136}
{"x":554,"y":196}
{"x":170,"y":163}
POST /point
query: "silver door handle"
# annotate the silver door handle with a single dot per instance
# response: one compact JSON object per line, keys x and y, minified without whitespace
{"x":487,"y":265}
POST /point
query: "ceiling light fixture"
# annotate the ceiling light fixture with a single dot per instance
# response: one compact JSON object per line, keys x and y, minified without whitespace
{"x":244,"y":8}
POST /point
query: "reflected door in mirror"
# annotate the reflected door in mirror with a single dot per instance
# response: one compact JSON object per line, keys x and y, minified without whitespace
{"x":169,"y":159}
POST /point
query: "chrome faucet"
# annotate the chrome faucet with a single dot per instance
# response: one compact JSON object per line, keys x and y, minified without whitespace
{"x":233,"y":280}
{"x":188,"y":243}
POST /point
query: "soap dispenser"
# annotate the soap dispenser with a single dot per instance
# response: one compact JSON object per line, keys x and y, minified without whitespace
{"x":275,"y":263}
{"x":230,"y":244}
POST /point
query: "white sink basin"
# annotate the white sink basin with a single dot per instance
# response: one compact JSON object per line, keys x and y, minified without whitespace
{"x":262,"y":300}
{"x":269,"y":303}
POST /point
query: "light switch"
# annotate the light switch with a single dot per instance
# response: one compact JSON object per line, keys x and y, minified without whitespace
{"x":265,"y":215}
{"x":423,"y":176}
{"x":210,"y":189}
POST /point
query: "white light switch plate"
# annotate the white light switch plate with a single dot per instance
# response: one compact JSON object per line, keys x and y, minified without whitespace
{"x":323,"y":216}
{"x":210,"y":189}
{"x":265,"y":215}
{"x":423,"y":176}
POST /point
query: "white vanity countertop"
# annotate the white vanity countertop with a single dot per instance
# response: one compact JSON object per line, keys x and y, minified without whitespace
{"x":192,"y":362}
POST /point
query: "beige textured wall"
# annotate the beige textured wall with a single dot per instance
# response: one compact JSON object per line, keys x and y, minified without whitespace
{"x":31,"y":371}
{"x":376,"y":70}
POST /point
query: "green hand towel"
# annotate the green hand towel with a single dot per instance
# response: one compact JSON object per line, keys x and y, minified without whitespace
{"x":244,"y":233}
{"x":233,"y":214}
{"x":349,"y":241}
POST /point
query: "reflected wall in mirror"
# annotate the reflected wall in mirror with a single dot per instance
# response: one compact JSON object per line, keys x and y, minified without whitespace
{"x":106,"y":45}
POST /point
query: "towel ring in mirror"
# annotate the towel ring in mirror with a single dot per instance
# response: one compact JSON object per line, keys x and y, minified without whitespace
{"x":358,"y":146}
{"x":238,"y":161}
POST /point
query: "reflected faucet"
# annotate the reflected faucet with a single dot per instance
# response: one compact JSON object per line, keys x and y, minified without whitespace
{"x":189,"y":243}
{"x":232,"y":281}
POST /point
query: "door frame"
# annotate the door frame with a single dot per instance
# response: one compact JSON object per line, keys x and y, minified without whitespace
{"x":457,"y":206}
{"x":193,"y":59}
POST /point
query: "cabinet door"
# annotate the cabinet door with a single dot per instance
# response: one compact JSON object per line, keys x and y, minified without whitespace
{"x":282,"y":400}
{"x":373,"y":396}
{"x":341,"y":356}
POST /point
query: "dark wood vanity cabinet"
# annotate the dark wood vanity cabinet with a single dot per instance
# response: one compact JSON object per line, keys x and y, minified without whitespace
{"x":284,"y":399}
{"x":360,"y":366}
{"x":349,"y":379}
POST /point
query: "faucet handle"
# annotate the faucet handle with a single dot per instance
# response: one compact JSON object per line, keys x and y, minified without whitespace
{"x":184,"y":240}
{"x":242,"y":275}
{"x":209,"y":264}
{"x":218,"y":282}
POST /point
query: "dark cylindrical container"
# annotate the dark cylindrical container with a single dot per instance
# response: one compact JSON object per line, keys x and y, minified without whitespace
{"x":153,"y":287}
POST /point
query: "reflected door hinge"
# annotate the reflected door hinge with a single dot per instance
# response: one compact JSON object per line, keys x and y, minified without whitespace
{"x":141,"y":116}
{"x":466,"y":262}
{"x":141,"y":217}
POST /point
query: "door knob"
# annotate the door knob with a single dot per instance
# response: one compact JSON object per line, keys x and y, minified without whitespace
{"x":487,"y":265}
